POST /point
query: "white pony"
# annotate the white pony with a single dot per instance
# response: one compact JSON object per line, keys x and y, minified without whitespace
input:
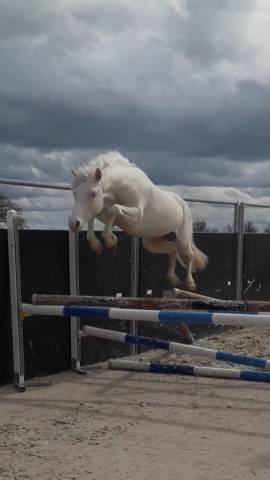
{"x":116,"y":192}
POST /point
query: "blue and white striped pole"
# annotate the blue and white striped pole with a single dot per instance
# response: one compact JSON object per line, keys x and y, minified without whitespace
{"x":174,"y":347}
{"x":190,"y":317}
{"x":184,"y":369}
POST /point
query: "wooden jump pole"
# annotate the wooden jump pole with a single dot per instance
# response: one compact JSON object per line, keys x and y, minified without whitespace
{"x":151,"y":303}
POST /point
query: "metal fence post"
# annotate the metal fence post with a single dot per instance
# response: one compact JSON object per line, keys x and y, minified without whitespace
{"x":236,"y":218}
{"x":15,"y":300}
{"x":74,"y":290}
{"x":134,"y":283}
{"x":240,"y":209}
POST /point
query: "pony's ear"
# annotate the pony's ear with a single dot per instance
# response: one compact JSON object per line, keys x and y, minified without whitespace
{"x":98,"y":174}
{"x":73,"y":172}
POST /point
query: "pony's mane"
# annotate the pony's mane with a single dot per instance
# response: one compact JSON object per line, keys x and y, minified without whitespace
{"x":103,"y":160}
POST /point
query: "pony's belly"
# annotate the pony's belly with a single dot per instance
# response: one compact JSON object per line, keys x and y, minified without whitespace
{"x":146,"y":229}
{"x":158,"y":224}
{"x":150,"y":226}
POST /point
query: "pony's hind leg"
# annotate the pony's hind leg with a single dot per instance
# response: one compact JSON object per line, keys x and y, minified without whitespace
{"x":159,"y":245}
{"x":190,"y":283}
{"x":171,"y":275}
{"x":186,"y":255}
{"x":191,"y":256}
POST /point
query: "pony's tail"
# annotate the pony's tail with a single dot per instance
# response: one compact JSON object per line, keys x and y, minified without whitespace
{"x":200,"y":259}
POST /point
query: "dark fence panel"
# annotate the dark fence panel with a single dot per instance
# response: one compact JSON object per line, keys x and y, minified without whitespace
{"x":217,"y":280}
{"x":45,"y":269}
{"x":219,"y":277}
{"x":106,"y":274}
{"x":256,"y":278}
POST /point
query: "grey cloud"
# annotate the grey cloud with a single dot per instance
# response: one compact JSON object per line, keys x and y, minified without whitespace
{"x":162,"y":166}
{"x":114,"y":16}
{"x":238,"y":129}
{"x":108,"y":87}
{"x":168,"y":168}
{"x":217,"y":31}
{"x":181,"y":88}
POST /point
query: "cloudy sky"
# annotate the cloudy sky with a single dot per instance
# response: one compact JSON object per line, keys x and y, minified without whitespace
{"x":181,"y":87}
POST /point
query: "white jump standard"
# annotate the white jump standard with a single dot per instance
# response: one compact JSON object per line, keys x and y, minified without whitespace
{"x":18,"y":316}
{"x":185,"y":369}
{"x":174,"y":347}
{"x":162,"y":316}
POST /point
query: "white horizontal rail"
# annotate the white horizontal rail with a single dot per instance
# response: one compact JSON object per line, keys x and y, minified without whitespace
{"x":65,"y":186}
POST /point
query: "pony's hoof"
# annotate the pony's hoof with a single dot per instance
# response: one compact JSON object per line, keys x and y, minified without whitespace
{"x":98,"y":250}
{"x":110,"y":241}
{"x":96,"y":247}
{"x":173,"y":280}
{"x":191,"y":286}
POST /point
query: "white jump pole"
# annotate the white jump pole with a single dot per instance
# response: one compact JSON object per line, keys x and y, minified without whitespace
{"x":190,"y":317}
{"x":193,"y":370}
{"x":174,"y":347}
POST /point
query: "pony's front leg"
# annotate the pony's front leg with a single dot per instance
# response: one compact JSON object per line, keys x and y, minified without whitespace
{"x":109,"y":238}
{"x":130,"y":217}
{"x":95,"y":244}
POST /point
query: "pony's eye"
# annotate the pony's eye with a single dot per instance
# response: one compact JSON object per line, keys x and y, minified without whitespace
{"x":92,"y":194}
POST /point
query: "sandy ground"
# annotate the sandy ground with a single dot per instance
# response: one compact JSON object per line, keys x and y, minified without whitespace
{"x":111,"y":425}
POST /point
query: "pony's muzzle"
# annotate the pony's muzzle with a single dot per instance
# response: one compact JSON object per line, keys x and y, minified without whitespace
{"x":75,"y":226}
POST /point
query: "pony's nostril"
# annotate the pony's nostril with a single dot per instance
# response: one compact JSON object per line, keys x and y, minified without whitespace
{"x":75,"y":226}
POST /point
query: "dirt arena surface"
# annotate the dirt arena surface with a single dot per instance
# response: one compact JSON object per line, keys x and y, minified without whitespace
{"x":111,"y":425}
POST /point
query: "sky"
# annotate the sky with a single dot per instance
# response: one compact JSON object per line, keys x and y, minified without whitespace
{"x":180,"y":87}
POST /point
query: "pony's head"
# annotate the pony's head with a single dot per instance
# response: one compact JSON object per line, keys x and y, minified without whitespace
{"x":88,"y":199}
